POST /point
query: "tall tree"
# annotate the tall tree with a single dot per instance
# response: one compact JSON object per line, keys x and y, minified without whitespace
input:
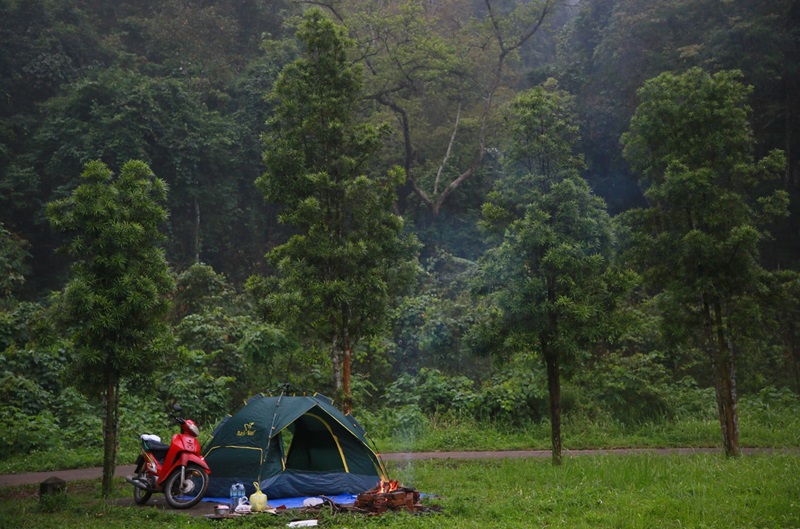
{"x":698,"y":240}
{"x":117,"y":115}
{"x":349,"y":255}
{"x":116,"y":299}
{"x":439,"y":67}
{"x":550,"y":273}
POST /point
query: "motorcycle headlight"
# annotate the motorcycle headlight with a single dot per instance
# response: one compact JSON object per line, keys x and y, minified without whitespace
{"x":194,"y":429}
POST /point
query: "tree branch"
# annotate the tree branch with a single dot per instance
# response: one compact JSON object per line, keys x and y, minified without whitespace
{"x":449,"y":150}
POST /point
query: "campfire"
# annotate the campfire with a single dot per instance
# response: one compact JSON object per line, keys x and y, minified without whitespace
{"x":389,"y":495}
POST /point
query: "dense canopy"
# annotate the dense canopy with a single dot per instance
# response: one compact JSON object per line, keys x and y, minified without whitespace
{"x":464,"y":200}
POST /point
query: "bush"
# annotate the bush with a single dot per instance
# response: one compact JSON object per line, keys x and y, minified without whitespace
{"x":431,"y":391}
{"x":21,"y":432}
{"x":388,"y":423}
{"x":514,"y":398}
{"x":26,"y":395}
{"x":80,"y":422}
{"x":771,"y":405}
{"x":631,"y":387}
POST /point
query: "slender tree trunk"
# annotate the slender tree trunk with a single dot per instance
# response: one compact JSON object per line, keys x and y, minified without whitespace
{"x":554,"y":389}
{"x":196,"y":230}
{"x":722,"y":365}
{"x":727,"y":374}
{"x":793,"y":354}
{"x":110,"y":424}
{"x":337,"y":366}
{"x":347,"y":354}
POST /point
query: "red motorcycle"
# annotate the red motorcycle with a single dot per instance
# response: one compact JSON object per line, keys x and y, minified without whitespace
{"x":176,"y":469}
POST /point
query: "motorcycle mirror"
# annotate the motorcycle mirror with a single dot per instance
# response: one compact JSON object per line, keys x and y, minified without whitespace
{"x":177,"y":408}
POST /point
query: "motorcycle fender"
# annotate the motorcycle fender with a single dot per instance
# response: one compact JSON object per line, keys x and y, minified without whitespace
{"x":185,"y":459}
{"x":200,"y":461}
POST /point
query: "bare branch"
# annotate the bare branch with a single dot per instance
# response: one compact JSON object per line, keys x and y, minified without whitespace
{"x":449,"y":150}
{"x":322,"y":3}
{"x":538,"y":24}
{"x":402,"y":116}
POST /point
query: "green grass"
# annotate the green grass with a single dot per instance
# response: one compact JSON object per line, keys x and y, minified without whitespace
{"x":57,"y":460}
{"x":758,"y":428}
{"x":622,"y":492}
{"x":445,"y":434}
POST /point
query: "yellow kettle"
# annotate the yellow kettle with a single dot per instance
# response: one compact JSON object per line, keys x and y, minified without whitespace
{"x":258,"y":500}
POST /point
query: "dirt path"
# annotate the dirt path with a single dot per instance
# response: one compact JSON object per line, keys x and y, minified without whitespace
{"x":11,"y":480}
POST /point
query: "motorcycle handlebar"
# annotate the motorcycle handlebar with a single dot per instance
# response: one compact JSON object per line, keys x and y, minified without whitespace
{"x":176,"y":408}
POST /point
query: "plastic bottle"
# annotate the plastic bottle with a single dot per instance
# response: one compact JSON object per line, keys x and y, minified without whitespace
{"x":240,"y":494}
{"x":237,"y":492}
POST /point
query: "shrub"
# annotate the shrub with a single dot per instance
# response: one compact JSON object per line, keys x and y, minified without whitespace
{"x":391,"y":422}
{"x":431,"y":391}
{"x":79,"y":420}
{"x":514,"y":397}
{"x":22,"y":432}
{"x":25,"y":394}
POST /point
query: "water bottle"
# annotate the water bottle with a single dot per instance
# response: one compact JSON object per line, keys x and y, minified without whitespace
{"x":240,"y":498}
{"x":236,"y":493}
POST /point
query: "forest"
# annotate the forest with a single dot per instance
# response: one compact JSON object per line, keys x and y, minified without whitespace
{"x":507,"y":210}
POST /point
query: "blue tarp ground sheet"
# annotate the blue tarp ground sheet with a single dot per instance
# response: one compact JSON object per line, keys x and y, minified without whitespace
{"x":292,"y":503}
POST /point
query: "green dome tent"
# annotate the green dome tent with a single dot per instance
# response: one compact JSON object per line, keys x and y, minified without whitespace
{"x":292,"y":446}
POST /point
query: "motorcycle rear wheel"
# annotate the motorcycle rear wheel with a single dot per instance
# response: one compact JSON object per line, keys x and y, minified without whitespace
{"x":182,"y":494}
{"x":140,"y":496}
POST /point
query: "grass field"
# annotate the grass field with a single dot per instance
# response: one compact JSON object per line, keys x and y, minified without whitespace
{"x":776,"y":428}
{"x":634,"y":491}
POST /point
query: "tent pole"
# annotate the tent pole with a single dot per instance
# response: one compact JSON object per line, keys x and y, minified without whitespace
{"x":272,"y":429}
{"x":377,"y":454}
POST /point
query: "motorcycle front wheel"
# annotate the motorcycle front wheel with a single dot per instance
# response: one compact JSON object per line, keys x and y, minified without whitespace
{"x":186,"y":492}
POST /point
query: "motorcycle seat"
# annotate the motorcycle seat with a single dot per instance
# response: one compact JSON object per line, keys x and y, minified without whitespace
{"x":157,"y":449}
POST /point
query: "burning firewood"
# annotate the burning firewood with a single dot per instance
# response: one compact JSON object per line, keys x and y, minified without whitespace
{"x":389,"y":495}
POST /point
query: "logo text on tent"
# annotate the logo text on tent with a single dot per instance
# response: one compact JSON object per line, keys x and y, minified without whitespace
{"x":248,"y":429}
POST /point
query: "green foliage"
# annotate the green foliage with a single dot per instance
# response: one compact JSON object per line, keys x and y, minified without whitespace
{"x":24,"y":431}
{"x":199,"y":287}
{"x":47,"y":365}
{"x":550,"y":274}
{"x":350,"y":256}
{"x":120,"y":278}
{"x":541,"y":130}
{"x":632,"y":388}
{"x":180,"y":85}
{"x":439,"y":70}
{"x":777,"y":406}
{"x":403,"y":421}
{"x":27,"y":396}
{"x":16,"y":324}
{"x":431,"y":391}
{"x":699,"y":239}
{"x":514,"y":396}
{"x":550,"y":271}
{"x":779,"y":361}
{"x":78,"y":419}
{"x":12,"y":263}
{"x":195,"y":383}
{"x":117,"y":115}
{"x":429,"y":327}
{"x":116,"y":300}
